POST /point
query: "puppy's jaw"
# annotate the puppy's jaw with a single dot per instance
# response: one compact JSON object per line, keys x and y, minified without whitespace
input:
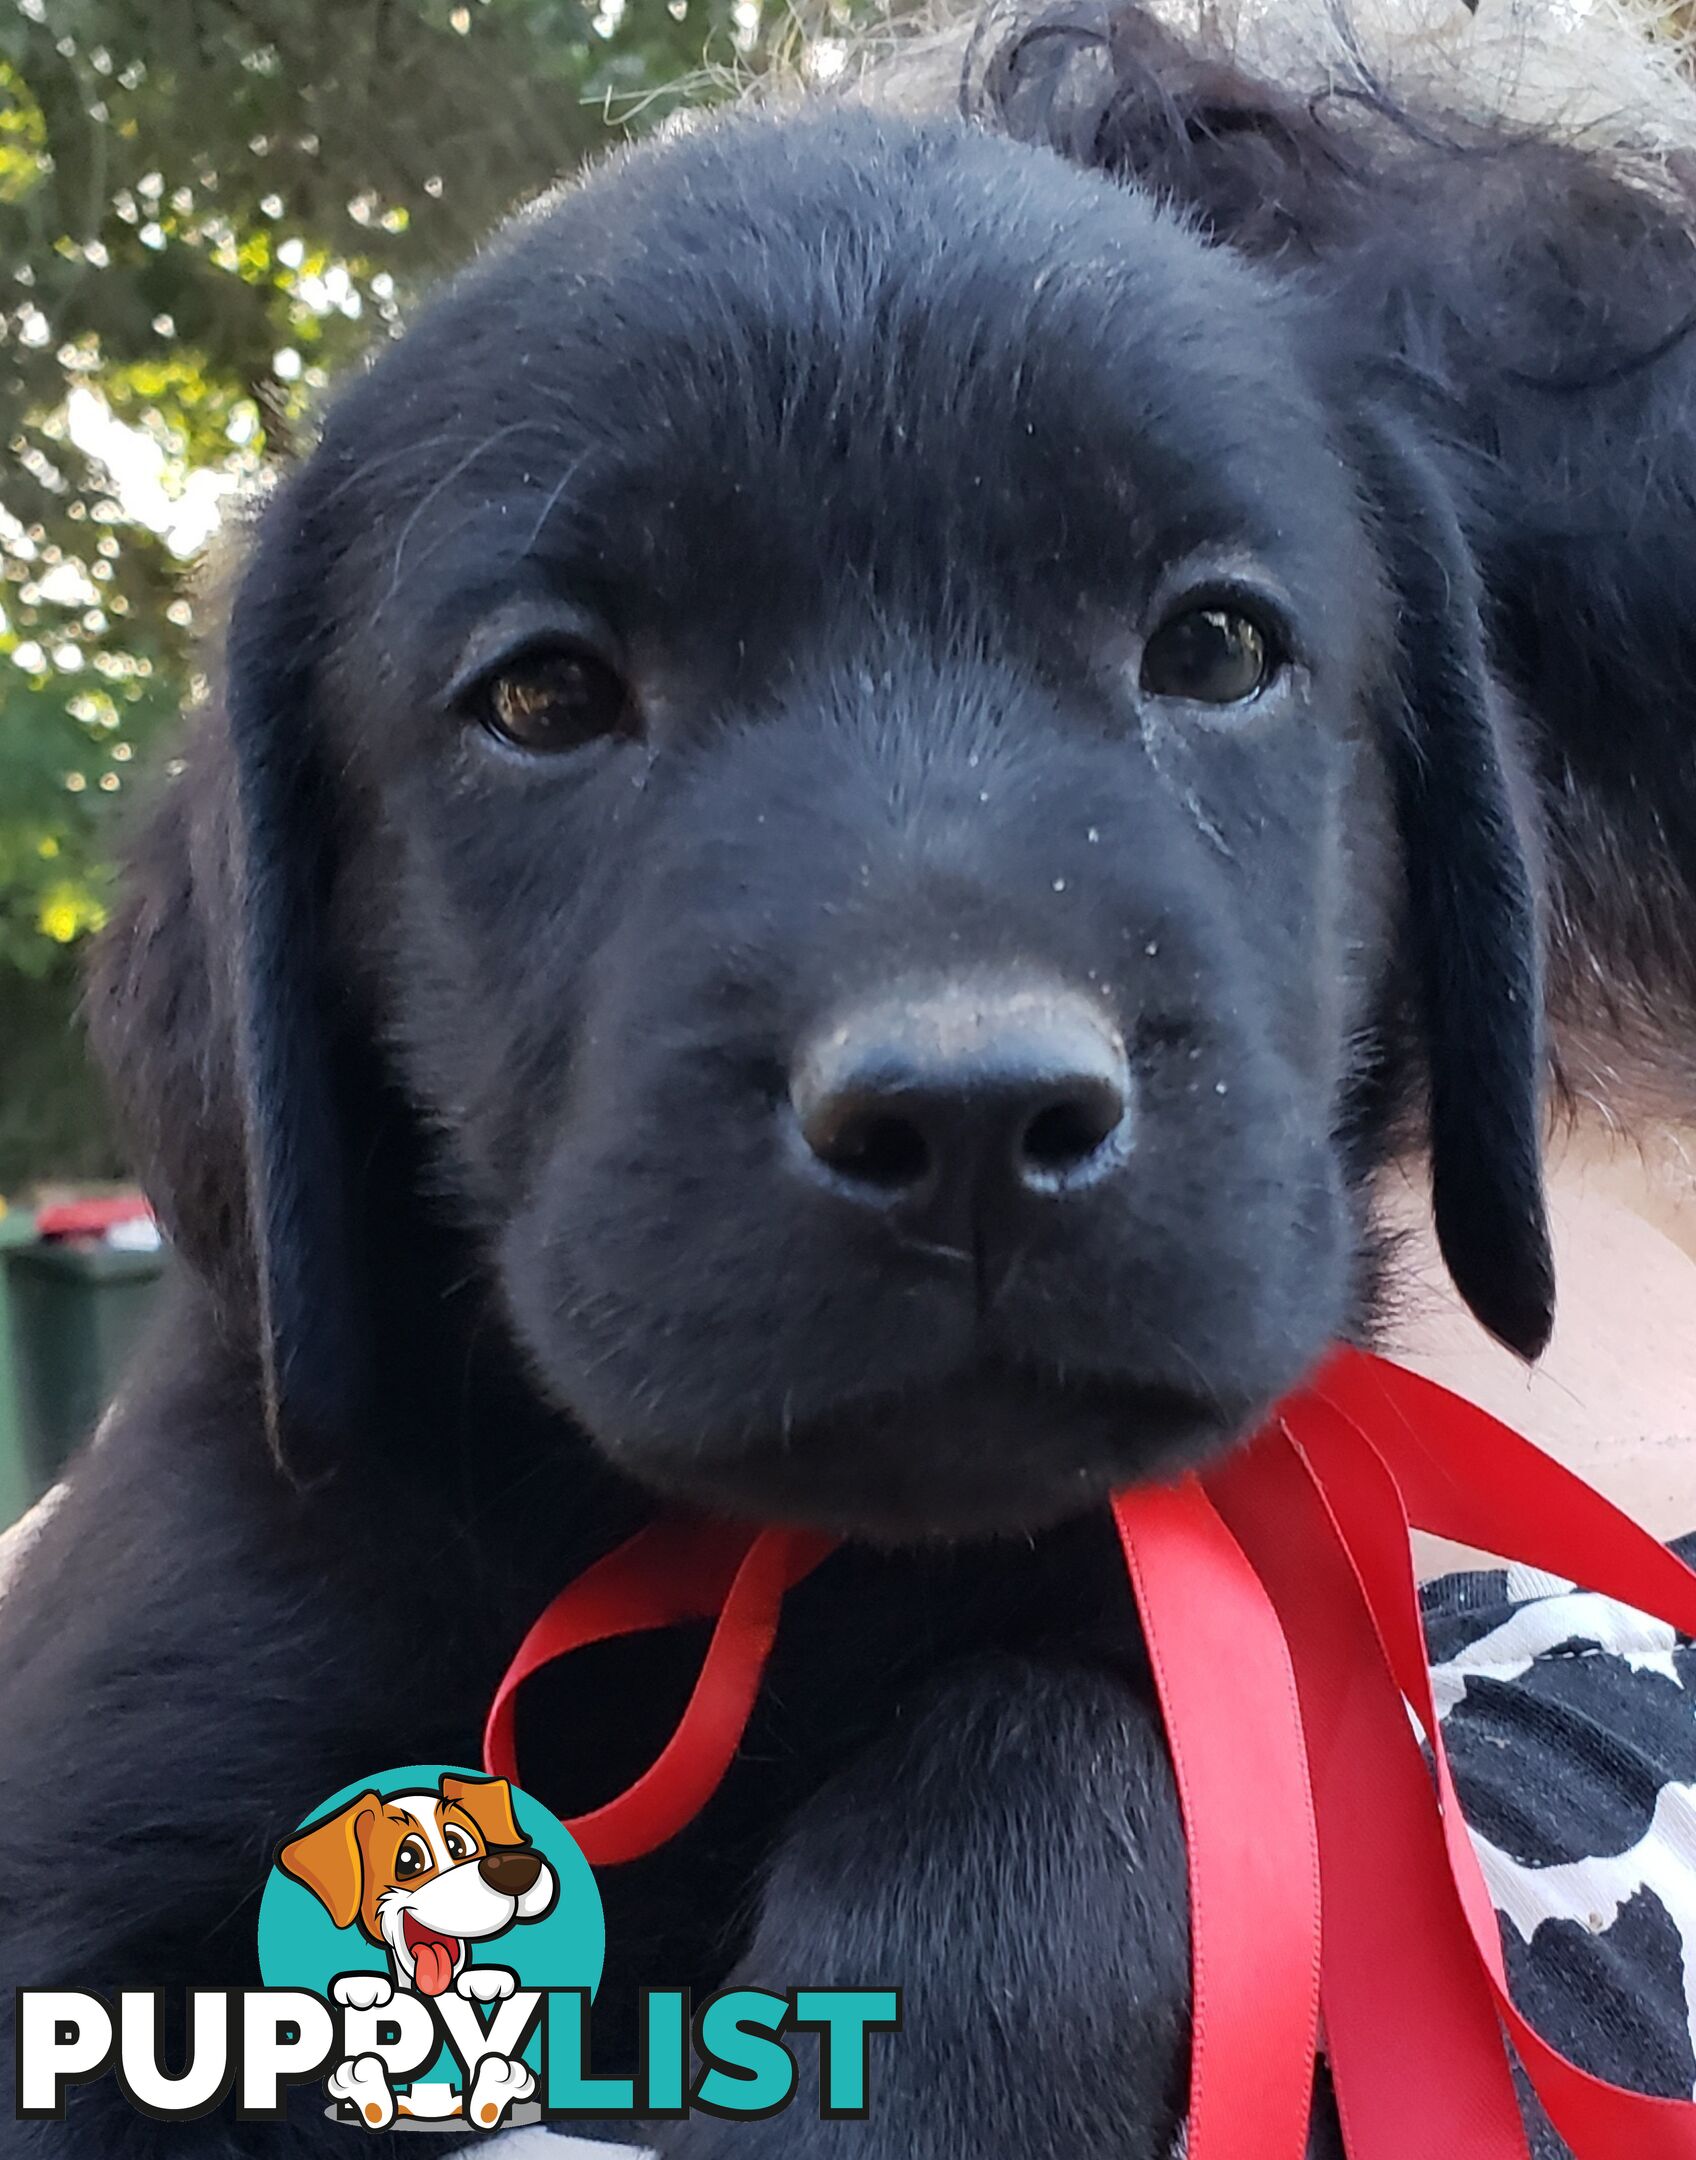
{"x":837,"y":1379}
{"x":987,"y":1458}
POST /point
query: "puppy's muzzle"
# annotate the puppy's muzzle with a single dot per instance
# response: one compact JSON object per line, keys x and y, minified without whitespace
{"x":958,"y":1109}
{"x":511,"y":1873}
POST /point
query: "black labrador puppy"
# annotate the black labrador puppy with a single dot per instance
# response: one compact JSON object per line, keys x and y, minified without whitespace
{"x":849,"y":801}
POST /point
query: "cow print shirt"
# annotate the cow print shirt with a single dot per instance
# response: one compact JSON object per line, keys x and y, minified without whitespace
{"x":1571,"y":1725}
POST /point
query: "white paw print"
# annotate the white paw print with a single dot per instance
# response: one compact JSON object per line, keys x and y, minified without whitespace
{"x":364,"y":2084}
{"x":496,"y":2086}
{"x":485,"y":1983}
{"x":362,"y":1991}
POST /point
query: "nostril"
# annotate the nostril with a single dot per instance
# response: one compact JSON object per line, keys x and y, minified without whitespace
{"x":874,"y":1147}
{"x":1070,"y":1134}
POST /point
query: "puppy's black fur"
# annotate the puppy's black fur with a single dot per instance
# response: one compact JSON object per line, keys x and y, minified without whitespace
{"x":872,"y":452}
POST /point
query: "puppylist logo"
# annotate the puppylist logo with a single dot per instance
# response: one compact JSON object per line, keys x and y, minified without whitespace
{"x":430,"y":1942}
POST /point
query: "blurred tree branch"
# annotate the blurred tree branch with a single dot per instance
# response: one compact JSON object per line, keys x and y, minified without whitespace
{"x":207,"y":207}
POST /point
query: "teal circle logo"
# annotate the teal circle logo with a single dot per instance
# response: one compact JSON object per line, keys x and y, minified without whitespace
{"x":422,"y":1872}
{"x":432,"y":1886}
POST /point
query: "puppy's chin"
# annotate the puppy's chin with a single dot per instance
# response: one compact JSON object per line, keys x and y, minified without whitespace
{"x":994,"y":1453}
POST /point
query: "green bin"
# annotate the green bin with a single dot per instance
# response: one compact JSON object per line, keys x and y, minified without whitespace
{"x":17,"y":1227}
{"x":76,"y":1311}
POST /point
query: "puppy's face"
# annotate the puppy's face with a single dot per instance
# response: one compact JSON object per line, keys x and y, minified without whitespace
{"x":860,"y":670}
{"x":426,"y":1874}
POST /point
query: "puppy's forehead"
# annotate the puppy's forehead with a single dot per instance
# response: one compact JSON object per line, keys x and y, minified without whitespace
{"x":800,"y":337}
{"x":420,"y":1812}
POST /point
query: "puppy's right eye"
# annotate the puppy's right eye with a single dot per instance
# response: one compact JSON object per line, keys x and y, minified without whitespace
{"x":555,"y":700}
{"x":1209,"y":656}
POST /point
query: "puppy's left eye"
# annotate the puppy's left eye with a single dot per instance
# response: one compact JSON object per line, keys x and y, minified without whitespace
{"x":555,"y":700}
{"x":412,"y":1859}
{"x":458,"y":1844}
{"x":1210,"y":655}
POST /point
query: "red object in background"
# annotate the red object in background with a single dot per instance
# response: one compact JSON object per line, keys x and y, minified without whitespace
{"x":90,"y":1218}
{"x":1327,"y":1868}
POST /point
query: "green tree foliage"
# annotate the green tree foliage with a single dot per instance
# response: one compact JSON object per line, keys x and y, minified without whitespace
{"x":206,"y":208}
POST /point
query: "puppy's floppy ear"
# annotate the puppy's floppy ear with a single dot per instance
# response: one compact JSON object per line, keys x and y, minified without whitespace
{"x":488,"y":1801}
{"x":1473,"y":921}
{"x":329,"y":1860}
{"x":210,"y":1009}
{"x":160,"y":1008}
{"x":296,"y":1055}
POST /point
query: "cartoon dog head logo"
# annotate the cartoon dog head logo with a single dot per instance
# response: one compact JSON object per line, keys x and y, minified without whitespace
{"x":425,"y":1874}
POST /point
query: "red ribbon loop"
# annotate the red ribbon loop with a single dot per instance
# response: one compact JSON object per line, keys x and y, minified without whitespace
{"x":667,"y":1574}
{"x":1327,"y":1868}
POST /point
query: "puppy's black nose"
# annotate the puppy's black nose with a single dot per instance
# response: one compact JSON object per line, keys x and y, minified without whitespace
{"x":510,"y":1872}
{"x":950,"y":1108}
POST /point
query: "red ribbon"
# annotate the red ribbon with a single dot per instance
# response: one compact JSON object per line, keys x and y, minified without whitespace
{"x":1328,"y":1870}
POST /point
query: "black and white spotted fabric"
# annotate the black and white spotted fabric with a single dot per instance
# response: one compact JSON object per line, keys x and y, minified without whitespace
{"x":1571,"y":1724}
